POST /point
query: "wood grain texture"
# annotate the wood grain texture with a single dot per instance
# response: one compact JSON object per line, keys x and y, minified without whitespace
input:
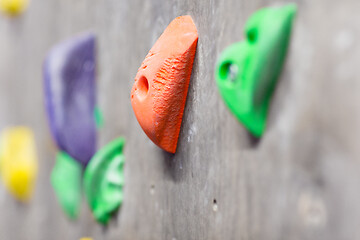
{"x":300,"y":181}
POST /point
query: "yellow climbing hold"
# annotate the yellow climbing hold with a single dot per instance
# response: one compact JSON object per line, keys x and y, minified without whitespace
{"x":18,"y":161}
{"x":86,"y":238}
{"x":13,"y":7}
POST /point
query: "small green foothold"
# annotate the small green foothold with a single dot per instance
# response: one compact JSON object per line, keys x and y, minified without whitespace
{"x":104,"y":180}
{"x":66,"y":181}
{"x":99,"y":118}
{"x":247,"y":72}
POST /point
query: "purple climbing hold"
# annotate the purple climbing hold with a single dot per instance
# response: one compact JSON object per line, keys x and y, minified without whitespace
{"x":70,"y":95}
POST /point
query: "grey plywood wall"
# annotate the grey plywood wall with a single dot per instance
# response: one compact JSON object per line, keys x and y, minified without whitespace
{"x":300,"y":181}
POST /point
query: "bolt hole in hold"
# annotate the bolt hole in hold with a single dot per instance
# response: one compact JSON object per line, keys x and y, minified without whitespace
{"x":229,"y":71}
{"x":252,"y":35}
{"x":142,"y":87}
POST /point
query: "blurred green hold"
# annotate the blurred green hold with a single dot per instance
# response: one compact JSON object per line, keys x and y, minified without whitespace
{"x":247,"y":71}
{"x":66,"y":179}
{"x":104,"y":180}
{"x":99,"y":118}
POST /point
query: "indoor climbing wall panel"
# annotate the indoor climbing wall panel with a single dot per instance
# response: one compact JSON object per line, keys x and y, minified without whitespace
{"x":299,"y":181}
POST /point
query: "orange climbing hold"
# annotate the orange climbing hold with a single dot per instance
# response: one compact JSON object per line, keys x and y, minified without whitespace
{"x":159,"y":93}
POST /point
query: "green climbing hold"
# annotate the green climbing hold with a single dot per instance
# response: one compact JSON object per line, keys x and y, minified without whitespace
{"x":66,"y":181}
{"x":99,"y":118}
{"x":104,"y":180}
{"x":247,"y":71}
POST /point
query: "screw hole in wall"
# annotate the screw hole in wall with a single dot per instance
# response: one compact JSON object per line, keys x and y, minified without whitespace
{"x":215,"y":206}
{"x":152,"y":189}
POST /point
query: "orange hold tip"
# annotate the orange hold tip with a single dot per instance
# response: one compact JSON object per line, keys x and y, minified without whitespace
{"x":159,"y":93}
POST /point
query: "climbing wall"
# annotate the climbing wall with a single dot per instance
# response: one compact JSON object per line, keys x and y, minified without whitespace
{"x":299,"y":181}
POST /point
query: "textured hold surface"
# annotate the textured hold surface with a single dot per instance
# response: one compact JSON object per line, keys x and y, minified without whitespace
{"x":66,"y":179}
{"x":18,"y":161}
{"x":247,"y":71}
{"x":159,"y":93}
{"x":104,"y":180}
{"x":69,"y":78}
{"x":13,"y":7}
